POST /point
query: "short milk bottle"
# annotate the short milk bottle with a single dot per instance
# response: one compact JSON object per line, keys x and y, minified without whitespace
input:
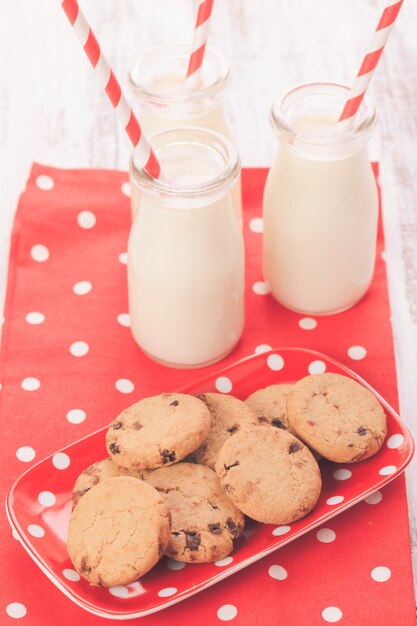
{"x":320,"y":202}
{"x":164,"y":99}
{"x":185,"y":251}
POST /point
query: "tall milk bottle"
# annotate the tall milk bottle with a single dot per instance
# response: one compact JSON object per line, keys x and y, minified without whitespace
{"x":320,"y":203}
{"x":163,"y":99}
{"x":185,"y":251}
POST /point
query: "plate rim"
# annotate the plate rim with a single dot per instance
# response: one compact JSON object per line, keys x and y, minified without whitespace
{"x":221,"y":575}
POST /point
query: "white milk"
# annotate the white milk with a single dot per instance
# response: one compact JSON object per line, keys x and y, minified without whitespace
{"x":164,"y":99}
{"x":320,"y":221}
{"x":186,"y":266}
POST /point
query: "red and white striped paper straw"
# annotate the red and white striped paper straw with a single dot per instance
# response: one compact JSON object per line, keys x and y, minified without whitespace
{"x":200,"y":38}
{"x":144,"y":154}
{"x":369,"y":63}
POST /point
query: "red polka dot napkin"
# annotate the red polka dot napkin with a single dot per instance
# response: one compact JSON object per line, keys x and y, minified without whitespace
{"x":69,"y":365}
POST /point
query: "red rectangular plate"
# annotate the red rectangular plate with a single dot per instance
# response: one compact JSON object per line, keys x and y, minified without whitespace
{"x":39,"y":503}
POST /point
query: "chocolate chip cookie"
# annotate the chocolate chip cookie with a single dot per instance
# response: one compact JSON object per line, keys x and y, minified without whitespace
{"x":204,"y":520}
{"x":269,"y":405}
{"x":158,"y":431}
{"x":336,"y":416}
{"x":269,"y":475}
{"x":228,"y":415}
{"x":96,"y":473}
{"x":118,"y":531}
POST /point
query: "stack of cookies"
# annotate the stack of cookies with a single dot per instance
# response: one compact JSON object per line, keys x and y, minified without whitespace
{"x":183,"y":471}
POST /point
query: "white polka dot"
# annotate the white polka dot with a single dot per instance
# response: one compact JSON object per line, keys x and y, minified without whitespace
{"x":82,"y":287}
{"x":275,"y":362}
{"x":61,"y":460}
{"x":16,"y":609}
{"x":335,"y":500}
{"x":25,"y":454}
{"x":86,"y":219}
{"x":79,"y":348}
{"x":35,"y":318}
{"x":374,"y":498}
{"x":383,"y":255}
{"x":317,"y":367}
{"x":387,"y":470}
{"x":332,"y":614}
{"x":342,"y":474}
{"x":46,"y":498}
{"x":225,"y":561}
{"x":223,"y":384}
{"x":261,"y":288}
{"x":168,"y":591}
{"x":30,"y":384}
{"x":278,"y":572}
{"x":326,"y":535}
{"x":35,"y":530}
{"x":256,"y":225}
{"x":39,"y":253}
{"x":71,"y":574}
{"x":356,"y":353}
{"x":263,"y":347}
{"x":76,"y":416}
{"x":120,"y":591}
{"x":281,"y":530}
{"x":15,"y":534}
{"x":395,"y":441}
{"x":124,"y":385}
{"x":381,"y":574}
{"x":126,"y":189}
{"x":46,"y":183}
{"x":124,"y":319}
{"x":175,"y":566}
{"x":123,"y":258}
{"x":307,"y":323}
{"x":227,"y":612}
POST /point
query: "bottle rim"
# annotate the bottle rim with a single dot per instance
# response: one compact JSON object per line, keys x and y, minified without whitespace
{"x":181,"y":136}
{"x":347,"y":131}
{"x":180,"y":52}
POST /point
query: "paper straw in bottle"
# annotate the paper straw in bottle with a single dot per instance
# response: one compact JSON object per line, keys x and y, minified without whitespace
{"x":144,"y":154}
{"x":199,"y":41}
{"x":369,"y":63}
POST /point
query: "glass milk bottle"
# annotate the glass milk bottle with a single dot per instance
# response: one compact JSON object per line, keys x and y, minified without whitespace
{"x":164,"y":99}
{"x":185,"y":251}
{"x":320,"y":203}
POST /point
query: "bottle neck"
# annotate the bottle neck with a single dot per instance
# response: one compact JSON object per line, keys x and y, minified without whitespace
{"x":158,"y":82}
{"x":199,"y":167}
{"x":305,"y":121}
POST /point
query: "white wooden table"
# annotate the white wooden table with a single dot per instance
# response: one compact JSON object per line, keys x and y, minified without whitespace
{"x":52,"y":111}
